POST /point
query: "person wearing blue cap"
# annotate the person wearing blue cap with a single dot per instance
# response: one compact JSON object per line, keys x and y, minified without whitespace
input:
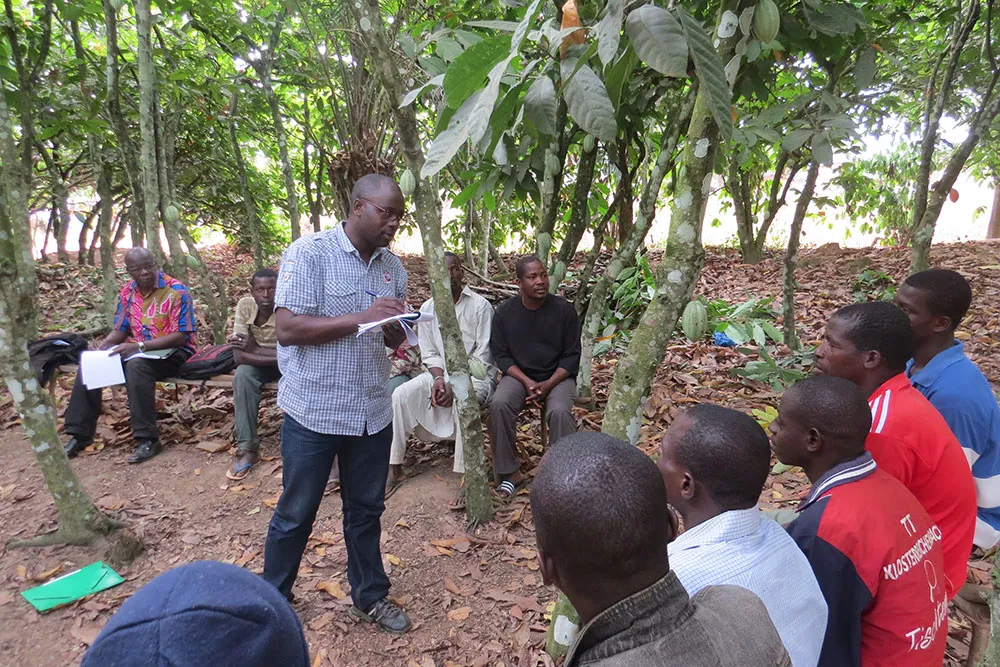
{"x":203,"y":614}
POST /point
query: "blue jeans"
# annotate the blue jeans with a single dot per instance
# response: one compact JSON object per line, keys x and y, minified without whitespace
{"x":308,"y":459}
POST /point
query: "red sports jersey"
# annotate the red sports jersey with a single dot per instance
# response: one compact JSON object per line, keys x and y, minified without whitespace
{"x":911,"y":441}
{"x":878,"y":559}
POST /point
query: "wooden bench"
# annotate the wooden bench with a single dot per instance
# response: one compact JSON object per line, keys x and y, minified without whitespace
{"x":225,"y":381}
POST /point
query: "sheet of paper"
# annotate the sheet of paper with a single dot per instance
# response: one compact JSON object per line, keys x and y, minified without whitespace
{"x":152,"y":354}
{"x":70,"y":587}
{"x":411,"y":335}
{"x":100,"y":369}
{"x":405,"y":318}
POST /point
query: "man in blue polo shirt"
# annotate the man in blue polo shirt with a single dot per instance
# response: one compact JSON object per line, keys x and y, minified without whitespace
{"x":936,"y":301}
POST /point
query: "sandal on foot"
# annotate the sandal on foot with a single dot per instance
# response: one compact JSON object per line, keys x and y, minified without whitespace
{"x":508,"y":489}
{"x":393,"y":486}
{"x":239,"y":471}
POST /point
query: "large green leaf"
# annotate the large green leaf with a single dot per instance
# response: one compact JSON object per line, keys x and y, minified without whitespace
{"x":502,"y":26}
{"x":415,"y":93}
{"x":619,"y":73}
{"x":540,"y":105}
{"x":587,"y":101}
{"x":469,"y":123}
{"x":522,"y":28}
{"x":711,"y":76}
{"x":609,"y":32}
{"x":834,"y":18}
{"x":467,"y":72}
{"x":658,"y":40}
{"x":864,"y":69}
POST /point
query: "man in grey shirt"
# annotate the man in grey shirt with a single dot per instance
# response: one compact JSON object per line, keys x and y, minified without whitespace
{"x":333,"y":391}
{"x":601,"y":520}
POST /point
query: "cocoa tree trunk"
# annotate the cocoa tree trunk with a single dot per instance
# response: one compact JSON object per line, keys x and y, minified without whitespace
{"x":478,"y":504}
{"x":249,"y":204}
{"x":79,"y":519}
{"x":677,"y":273}
{"x":551,"y":186}
{"x":579,"y":216}
{"x":624,"y":255}
{"x":789,"y":284}
{"x":993,"y":231}
{"x":218,"y":311}
{"x":171,"y":228}
{"x":147,"y":129}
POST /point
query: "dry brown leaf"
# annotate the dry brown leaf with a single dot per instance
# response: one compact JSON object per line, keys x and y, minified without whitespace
{"x":321,"y":622}
{"x":42,"y":576}
{"x":255,"y":510}
{"x":333,"y":588}
{"x":320,"y":658}
{"x":460,"y":614}
{"x":22,"y":572}
{"x":86,"y":633}
{"x":247,"y":556}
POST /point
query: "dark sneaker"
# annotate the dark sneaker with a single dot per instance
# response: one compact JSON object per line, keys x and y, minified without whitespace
{"x":75,"y":446}
{"x":146,"y":450}
{"x":388,"y":616}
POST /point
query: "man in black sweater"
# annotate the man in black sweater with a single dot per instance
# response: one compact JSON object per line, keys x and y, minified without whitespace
{"x":536,"y":343}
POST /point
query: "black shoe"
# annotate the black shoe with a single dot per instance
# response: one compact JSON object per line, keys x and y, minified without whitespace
{"x":75,"y":446}
{"x":387,"y":614}
{"x":146,"y":450}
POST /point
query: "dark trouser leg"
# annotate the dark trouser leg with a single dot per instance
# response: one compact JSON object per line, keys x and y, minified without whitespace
{"x":140,"y":383}
{"x":395,"y":381}
{"x":504,"y":408}
{"x":247,"y":389}
{"x":83,"y":410}
{"x":307,"y":457}
{"x":559,"y":410}
{"x":364,"y":464}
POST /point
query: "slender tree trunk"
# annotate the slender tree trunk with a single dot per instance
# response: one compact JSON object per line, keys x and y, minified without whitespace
{"x":171,"y":228}
{"x":479,"y":506}
{"x":108,"y":279}
{"x":677,"y":273}
{"x":112,"y":105}
{"x":789,"y":284}
{"x":83,"y":256}
{"x":485,"y":227}
{"x":583,"y":290}
{"x":62,"y":231}
{"x":471,"y":223}
{"x":314,"y":203}
{"x":249,"y":204}
{"x":497,"y":258}
{"x":624,"y":255}
{"x":147,"y":129}
{"x":993,"y":231}
{"x":626,"y":217}
{"x":923,"y":231}
{"x":218,"y":312}
{"x":579,"y":217}
{"x":79,"y":520}
{"x":551,"y":187}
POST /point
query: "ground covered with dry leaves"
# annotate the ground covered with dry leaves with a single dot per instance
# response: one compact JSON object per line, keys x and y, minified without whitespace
{"x":476,"y":598}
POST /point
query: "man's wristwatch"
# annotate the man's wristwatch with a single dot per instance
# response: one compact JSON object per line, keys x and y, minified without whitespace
{"x":142,"y":346}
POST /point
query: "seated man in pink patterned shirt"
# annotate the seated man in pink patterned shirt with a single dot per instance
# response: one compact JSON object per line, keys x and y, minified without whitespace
{"x":156,"y":312}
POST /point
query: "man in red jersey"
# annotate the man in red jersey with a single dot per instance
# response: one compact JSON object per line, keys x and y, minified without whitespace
{"x":876,"y":553}
{"x":869,"y":344}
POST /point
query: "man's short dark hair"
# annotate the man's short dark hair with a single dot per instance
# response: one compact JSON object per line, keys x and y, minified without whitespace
{"x":728,"y":452}
{"x":948,"y":293}
{"x":836,"y":407}
{"x":600,"y":508}
{"x":263,"y":273}
{"x":879,"y":326}
{"x":521,"y":267}
{"x":449,"y":253}
{"x":370,"y":185}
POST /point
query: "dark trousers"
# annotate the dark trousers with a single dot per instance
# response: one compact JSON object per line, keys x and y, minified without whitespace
{"x":307,"y":458}
{"x":506,"y":404}
{"x":141,"y":376}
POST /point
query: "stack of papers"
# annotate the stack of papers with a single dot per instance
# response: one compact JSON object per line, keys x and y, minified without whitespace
{"x":99,"y":369}
{"x":406,"y":319}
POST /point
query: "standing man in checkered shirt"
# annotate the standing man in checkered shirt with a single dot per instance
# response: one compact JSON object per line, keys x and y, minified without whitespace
{"x":333,"y":394}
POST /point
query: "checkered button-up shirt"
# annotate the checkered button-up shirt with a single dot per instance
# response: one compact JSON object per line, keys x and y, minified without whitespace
{"x":336,"y":388}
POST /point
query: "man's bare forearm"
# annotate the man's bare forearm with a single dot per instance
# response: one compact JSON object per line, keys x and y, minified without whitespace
{"x":261,"y":357}
{"x":176,"y":339}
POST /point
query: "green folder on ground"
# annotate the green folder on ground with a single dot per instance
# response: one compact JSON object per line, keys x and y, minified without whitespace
{"x":71,"y":587}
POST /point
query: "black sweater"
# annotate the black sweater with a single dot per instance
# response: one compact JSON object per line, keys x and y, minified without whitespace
{"x":536,"y":341}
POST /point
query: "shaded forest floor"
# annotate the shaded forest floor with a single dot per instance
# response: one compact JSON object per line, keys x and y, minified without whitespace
{"x":476,"y":599}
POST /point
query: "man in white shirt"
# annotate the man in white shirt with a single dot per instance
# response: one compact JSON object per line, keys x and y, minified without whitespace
{"x":714,"y":462}
{"x":425,"y":405}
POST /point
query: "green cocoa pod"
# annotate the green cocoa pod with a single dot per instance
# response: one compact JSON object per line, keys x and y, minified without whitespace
{"x":407,"y":183}
{"x":766,"y":21}
{"x":694,"y":321}
{"x":551,"y":163}
{"x":588,"y":143}
{"x":171,"y":214}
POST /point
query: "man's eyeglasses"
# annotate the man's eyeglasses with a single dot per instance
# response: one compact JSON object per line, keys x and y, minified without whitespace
{"x":387,"y":215}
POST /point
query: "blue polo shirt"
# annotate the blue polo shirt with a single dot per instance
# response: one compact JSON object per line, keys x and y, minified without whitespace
{"x":961,"y":393}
